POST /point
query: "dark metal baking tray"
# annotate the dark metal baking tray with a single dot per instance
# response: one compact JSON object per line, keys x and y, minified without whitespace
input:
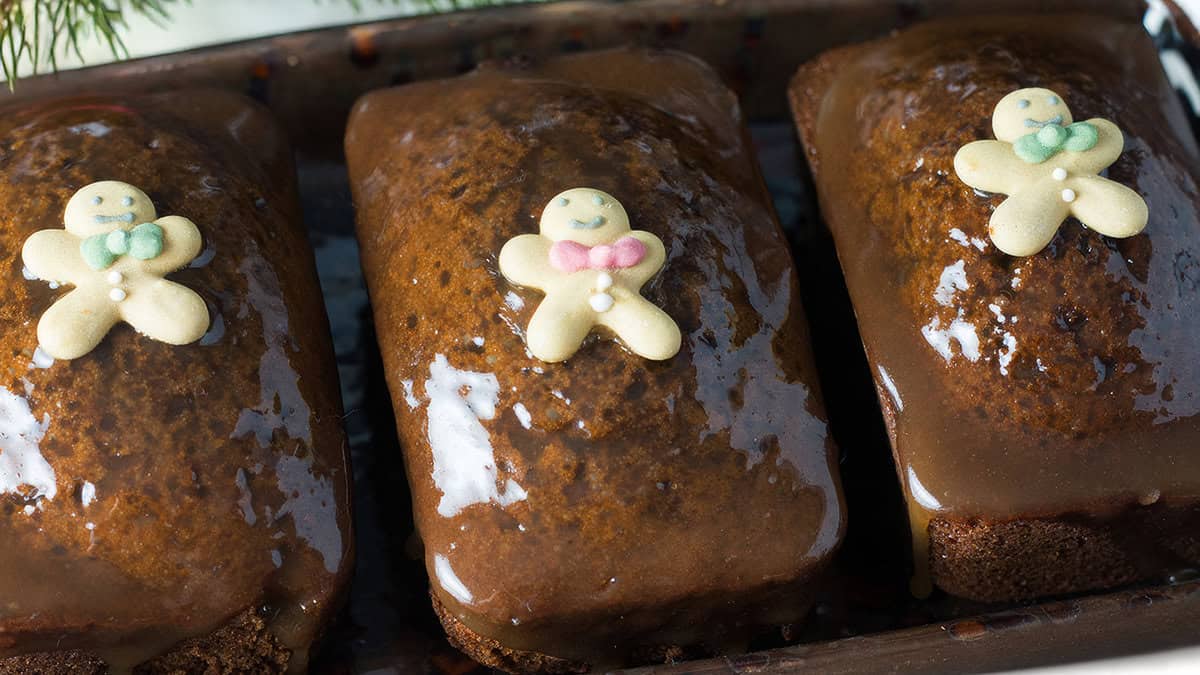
{"x":865,"y":621}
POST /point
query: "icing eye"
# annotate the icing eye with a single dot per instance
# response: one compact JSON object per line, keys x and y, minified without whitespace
{"x":1052,"y":100}
{"x":598,"y":200}
{"x":1023,"y":103}
{"x":97,"y":200}
{"x":127,"y":200}
{"x":563,"y":201}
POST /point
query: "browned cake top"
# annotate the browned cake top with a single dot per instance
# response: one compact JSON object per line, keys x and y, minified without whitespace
{"x":1063,"y":381}
{"x":188,"y":482}
{"x":607,"y":499}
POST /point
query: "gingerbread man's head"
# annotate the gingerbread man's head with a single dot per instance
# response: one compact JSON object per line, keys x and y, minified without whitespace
{"x":106,"y":206}
{"x":1025,"y":111}
{"x":584,"y":215}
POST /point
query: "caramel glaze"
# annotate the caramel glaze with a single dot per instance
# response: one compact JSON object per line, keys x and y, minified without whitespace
{"x":1084,"y":396}
{"x":219,"y":467}
{"x":665,"y":502}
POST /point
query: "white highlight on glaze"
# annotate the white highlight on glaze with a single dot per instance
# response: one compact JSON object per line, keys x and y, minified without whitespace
{"x":1068,"y":195}
{"x":962,"y":238}
{"x":891,"y":388}
{"x":601,"y":302}
{"x":409,"y":397}
{"x":93,"y":129}
{"x":464,"y":464}
{"x":87,"y":493}
{"x":450,"y":581}
{"x":1006,"y":357}
{"x":953,"y":279}
{"x":523,"y":415}
{"x":919,"y":494}
{"x":21,"y":460}
{"x":115,"y":277}
{"x":1059,"y":174}
{"x":1040,"y":366}
{"x":29,"y":510}
{"x":604,"y":281}
{"x":514,"y":301}
{"x":478,"y":341}
{"x":41,"y":359}
{"x":116,"y":294}
{"x":999,"y":314}
{"x":959,"y":331}
{"x":1016,"y":280}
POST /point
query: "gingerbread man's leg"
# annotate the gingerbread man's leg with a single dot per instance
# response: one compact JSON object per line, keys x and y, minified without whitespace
{"x":558,"y":327}
{"x":76,"y":323}
{"x":642,"y":326}
{"x":166,"y":311}
{"x":1108,"y":207}
{"x":1029,"y":218}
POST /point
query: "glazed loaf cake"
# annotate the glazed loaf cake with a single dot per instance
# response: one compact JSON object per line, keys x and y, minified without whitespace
{"x":174,"y":484}
{"x":611,"y":504}
{"x":1042,"y":406}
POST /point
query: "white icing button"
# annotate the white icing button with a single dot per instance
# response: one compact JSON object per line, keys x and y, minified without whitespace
{"x":1059,"y":174}
{"x":115,"y":277}
{"x":604,"y":281}
{"x":601,"y":302}
{"x":116,"y":295}
{"x":1068,"y":195}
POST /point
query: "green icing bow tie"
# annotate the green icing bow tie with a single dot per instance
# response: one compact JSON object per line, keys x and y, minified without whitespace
{"x":142,"y":242}
{"x":1051,"y":139}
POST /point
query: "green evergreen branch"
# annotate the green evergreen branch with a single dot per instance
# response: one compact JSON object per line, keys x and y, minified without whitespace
{"x":38,"y":32}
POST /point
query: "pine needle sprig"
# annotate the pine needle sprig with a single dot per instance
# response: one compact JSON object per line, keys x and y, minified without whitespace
{"x":38,"y":32}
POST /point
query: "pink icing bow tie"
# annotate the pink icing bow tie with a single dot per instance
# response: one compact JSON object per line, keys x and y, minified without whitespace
{"x":571,"y":256}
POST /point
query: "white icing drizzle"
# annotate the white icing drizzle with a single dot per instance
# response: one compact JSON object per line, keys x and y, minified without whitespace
{"x":891,"y":388}
{"x":523,"y":415}
{"x":21,"y":461}
{"x":464,"y":464}
{"x":450,"y":581}
{"x":953,"y":279}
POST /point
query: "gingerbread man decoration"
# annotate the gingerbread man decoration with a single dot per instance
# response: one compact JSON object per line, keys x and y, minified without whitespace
{"x":591,"y":266}
{"x":1048,"y":165}
{"x":115,"y":251}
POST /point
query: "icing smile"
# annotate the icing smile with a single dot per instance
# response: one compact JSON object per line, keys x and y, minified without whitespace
{"x":1030,"y":122}
{"x":587,"y":224}
{"x":126,"y":217}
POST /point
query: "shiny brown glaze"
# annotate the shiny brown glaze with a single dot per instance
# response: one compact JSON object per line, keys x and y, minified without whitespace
{"x":1095,"y":409}
{"x":666,"y":502}
{"x":219,"y":467}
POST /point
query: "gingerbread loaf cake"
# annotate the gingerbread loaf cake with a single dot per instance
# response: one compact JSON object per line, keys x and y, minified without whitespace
{"x":173,"y":477}
{"x":597,"y":357}
{"x":987,"y":182}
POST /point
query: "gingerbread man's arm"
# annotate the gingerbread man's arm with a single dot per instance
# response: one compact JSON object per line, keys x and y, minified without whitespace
{"x":53,"y":255}
{"x":1109,"y":144}
{"x":991,"y":166}
{"x":656,"y":255}
{"x":525,"y":261}
{"x":181,"y":245}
